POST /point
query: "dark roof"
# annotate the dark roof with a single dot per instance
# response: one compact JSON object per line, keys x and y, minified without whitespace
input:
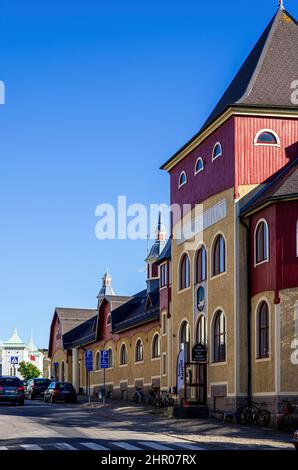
{"x":87,"y":332}
{"x":142,"y":308}
{"x":284,"y":185}
{"x":82,"y":334}
{"x":69,"y":318}
{"x":72,"y":317}
{"x":166,"y":252}
{"x":265,"y":78}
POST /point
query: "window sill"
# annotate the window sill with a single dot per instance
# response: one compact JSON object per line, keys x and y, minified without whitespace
{"x":213,"y":364}
{"x":263,"y":359}
{"x":261,"y":262}
{"x":218,"y":275}
{"x":181,"y":291}
{"x":139,"y":362}
{"x":155,"y":358}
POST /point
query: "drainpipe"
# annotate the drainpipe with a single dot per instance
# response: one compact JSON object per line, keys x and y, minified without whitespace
{"x":248,"y":312}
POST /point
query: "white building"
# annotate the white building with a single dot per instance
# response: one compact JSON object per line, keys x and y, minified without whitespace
{"x":14,"y":351}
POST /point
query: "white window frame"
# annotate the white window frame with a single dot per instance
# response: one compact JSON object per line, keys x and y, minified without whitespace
{"x":182,"y":184}
{"x":270,"y":131}
{"x":255,"y":244}
{"x":220,"y":154}
{"x":201,"y":169}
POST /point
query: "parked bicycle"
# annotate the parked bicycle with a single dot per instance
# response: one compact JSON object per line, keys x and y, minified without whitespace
{"x":166,"y":400}
{"x":139,"y":396}
{"x":285,"y":420}
{"x":153,"y":398}
{"x":253,"y":413}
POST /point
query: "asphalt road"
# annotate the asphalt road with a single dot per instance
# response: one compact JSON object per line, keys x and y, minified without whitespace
{"x":40,"y":426}
{"x":122,"y":426}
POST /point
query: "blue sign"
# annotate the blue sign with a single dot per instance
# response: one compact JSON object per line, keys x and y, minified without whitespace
{"x":14,"y":360}
{"x":104,"y":359}
{"x":89,"y":361}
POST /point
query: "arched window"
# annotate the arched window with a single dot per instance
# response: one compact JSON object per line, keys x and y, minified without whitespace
{"x":217,"y":151}
{"x":184,"y":333}
{"x":184,"y":273}
{"x":199,"y":165}
{"x":202,"y":330}
{"x":219,"y":337}
{"x":123,"y":355}
{"x":201,"y":265}
{"x":219,"y":256}
{"x":261,"y":242}
{"x":110,"y":358}
{"x":156,"y":346}
{"x":109,"y":320}
{"x":97,"y":361}
{"x":182,"y":179}
{"x":267,"y":137}
{"x":263,"y":331}
{"x":139,"y":352}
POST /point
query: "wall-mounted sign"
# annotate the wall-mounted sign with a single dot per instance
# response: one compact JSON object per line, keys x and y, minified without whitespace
{"x":201,"y":298}
{"x":199,"y":353}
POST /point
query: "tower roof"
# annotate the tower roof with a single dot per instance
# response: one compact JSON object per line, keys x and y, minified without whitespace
{"x":264,"y":80}
{"x":106,"y":288}
{"x":14,"y":340}
{"x":266,"y":75}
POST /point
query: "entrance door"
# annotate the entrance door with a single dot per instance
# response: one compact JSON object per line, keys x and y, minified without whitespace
{"x":202,"y":384}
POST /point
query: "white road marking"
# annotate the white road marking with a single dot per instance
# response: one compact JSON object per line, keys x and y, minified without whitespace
{"x":64,"y":446}
{"x":187,"y":446}
{"x":126,"y":446}
{"x":94,"y":446}
{"x":31,"y":447}
{"x":156,"y":446}
{"x":3,"y":448}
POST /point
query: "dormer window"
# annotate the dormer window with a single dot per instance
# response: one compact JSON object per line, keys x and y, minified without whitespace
{"x":182,"y":179}
{"x":267,"y":137}
{"x":217,"y":151}
{"x":199,"y":165}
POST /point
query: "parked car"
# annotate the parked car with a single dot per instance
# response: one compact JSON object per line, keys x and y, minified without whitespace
{"x":295,"y":440}
{"x":12,"y":390}
{"x":36,"y":387}
{"x":60,"y":391}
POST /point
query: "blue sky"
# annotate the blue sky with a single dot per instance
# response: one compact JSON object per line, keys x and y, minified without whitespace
{"x":97,"y":97}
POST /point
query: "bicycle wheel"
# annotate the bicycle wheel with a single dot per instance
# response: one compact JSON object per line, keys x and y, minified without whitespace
{"x":171,"y":402}
{"x":246,"y":416}
{"x":263,"y":418}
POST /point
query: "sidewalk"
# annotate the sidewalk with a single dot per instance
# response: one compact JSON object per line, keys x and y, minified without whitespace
{"x":209,"y":432}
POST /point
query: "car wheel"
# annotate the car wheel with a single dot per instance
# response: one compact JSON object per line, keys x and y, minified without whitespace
{"x":21,"y":403}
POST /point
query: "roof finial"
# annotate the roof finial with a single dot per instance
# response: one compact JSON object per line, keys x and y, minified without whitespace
{"x":281,"y":4}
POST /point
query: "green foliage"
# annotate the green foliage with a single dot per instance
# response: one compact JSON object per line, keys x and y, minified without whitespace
{"x":28,"y":371}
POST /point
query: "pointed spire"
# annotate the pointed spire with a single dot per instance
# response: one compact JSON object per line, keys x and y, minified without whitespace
{"x":161,"y":233}
{"x":281,"y":4}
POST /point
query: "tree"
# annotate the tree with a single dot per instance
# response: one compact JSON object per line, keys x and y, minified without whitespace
{"x":28,"y":371}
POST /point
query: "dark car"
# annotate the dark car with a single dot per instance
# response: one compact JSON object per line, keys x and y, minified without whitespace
{"x":36,"y":387}
{"x":60,"y":391}
{"x":12,"y":390}
{"x":295,"y":440}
